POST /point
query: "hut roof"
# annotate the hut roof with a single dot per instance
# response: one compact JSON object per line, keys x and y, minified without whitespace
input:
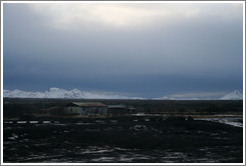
{"x":87,"y":104}
{"x":117,"y":106}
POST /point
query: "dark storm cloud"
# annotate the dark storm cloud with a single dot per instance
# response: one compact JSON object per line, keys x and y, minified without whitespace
{"x":169,"y":53}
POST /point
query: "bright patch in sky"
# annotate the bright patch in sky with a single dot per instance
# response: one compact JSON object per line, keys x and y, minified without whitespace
{"x":122,"y":15}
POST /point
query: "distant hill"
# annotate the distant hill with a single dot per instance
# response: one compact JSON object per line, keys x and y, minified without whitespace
{"x":78,"y":94}
{"x":235,"y":95}
{"x":63,"y":94}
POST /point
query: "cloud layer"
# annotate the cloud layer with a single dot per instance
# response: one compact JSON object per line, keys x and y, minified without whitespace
{"x":152,"y":49}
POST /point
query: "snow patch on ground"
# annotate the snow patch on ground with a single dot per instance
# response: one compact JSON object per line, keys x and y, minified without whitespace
{"x":237,"y":122}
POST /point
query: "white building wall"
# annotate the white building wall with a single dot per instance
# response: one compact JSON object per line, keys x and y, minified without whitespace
{"x":75,"y":110}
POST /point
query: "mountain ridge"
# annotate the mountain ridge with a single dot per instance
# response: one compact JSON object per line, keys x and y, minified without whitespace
{"x":64,"y":94}
{"x":235,"y":95}
{"x":78,"y":94}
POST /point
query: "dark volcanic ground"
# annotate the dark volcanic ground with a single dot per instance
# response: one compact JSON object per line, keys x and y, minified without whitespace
{"x":117,"y":141}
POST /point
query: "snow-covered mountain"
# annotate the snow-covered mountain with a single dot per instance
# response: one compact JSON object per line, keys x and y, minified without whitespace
{"x":235,"y":95}
{"x":177,"y":98}
{"x":163,"y":98}
{"x":62,"y":93}
{"x":78,"y":94}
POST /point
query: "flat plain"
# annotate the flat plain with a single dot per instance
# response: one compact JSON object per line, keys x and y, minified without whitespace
{"x":160,"y":131}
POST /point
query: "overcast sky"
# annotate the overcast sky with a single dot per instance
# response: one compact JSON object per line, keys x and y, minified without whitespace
{"x":146,"y":50}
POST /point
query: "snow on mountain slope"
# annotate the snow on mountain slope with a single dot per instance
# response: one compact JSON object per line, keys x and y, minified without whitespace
{"x":164,"y":98}
{"x":236,"y":95}
{"x":62,"y":93}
